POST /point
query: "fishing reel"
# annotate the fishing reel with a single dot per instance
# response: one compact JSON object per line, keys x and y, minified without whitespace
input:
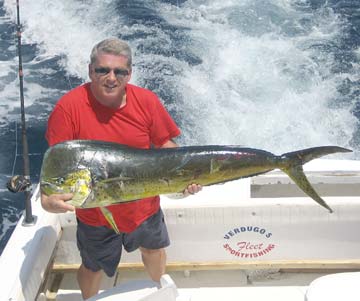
{"x":18,"y":184}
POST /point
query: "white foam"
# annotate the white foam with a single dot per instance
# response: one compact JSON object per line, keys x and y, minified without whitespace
{"x":67,"y":28}
{"x":265,"y":89}
{"x":259,"y":83}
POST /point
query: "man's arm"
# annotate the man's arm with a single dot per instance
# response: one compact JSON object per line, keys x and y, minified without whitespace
{"x":169,"y":144}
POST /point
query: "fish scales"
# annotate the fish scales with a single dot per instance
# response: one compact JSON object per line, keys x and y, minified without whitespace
{"x":103,"y":173}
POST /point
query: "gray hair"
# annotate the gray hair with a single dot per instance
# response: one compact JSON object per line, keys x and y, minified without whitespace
{"x":112,"y":46}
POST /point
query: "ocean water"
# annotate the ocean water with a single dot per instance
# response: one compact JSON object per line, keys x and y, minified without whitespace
{"x":273,"y":74}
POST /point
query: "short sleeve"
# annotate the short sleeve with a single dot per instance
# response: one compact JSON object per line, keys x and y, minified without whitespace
{"x":163,"y":127}
{"x":60,"y":127}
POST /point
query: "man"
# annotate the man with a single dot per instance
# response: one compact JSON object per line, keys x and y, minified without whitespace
{"x":110,"y":109}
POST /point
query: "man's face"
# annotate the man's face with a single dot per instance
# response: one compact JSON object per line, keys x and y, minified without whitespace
{"x":109,"y":75}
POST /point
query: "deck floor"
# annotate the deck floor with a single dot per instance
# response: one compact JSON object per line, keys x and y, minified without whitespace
{"x":210,"y":285}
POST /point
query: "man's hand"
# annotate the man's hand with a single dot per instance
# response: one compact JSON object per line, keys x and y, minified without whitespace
{"x":192,"y":189}
{"x":56,"y":203}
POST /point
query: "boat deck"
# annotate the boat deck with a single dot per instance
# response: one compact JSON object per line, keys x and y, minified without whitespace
{"x":206,"y":285}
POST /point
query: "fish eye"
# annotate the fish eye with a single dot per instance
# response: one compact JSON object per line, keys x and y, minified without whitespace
{"x":60,"y":181}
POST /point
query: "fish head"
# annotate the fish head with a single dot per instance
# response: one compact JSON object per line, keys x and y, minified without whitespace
{"x":79,"y":183}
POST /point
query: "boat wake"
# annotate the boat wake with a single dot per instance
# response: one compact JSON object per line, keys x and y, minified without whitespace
{"x":276,"y":75}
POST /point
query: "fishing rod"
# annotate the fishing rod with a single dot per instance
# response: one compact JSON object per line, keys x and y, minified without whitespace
{"x":22,"y":183}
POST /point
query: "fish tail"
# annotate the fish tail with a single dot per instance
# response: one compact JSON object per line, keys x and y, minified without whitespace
{"x":292,"y":165}
{"x":109,"y":217}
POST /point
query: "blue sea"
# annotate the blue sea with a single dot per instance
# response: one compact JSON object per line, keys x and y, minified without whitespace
{"x":273,"y":74}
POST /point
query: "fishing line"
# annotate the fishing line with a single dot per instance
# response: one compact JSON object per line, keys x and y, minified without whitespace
{"x":16,"y":149}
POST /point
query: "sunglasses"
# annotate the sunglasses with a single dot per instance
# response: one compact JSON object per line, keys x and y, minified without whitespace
{"x":119,"y":73}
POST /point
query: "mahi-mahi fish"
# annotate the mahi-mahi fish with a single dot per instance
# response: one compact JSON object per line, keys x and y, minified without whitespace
{"x":102,"y":173}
